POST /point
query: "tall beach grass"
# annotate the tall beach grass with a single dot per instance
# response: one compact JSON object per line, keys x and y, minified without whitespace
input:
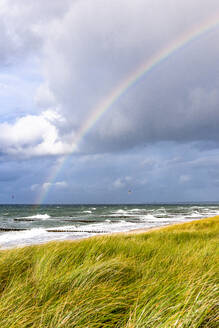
{"x":161,"y":279}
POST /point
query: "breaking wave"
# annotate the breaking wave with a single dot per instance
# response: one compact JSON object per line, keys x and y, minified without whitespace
{"x":38,"y":216}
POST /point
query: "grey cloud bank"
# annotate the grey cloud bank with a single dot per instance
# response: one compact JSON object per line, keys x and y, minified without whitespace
{"x":60,"y":59}
{"x":86,"y":48}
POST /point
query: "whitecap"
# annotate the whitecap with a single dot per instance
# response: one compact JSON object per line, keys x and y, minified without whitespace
{"x":121,"y":212}
{"x":137,"y":210}
{"x":34,"y":236}
{"x":38,"y":216}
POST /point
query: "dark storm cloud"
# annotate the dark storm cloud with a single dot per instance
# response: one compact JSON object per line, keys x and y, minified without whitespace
{"x":87,"y":48}
{"x":160,"y":139}
{"x":175,"y":111}
{"x":101,"y":47}
{"x":169,"y":171}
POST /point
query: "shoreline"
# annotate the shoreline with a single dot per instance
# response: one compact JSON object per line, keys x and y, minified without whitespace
{"x":120,"y":233}
{"x":146,"y":230}
{"x":129,"y":232}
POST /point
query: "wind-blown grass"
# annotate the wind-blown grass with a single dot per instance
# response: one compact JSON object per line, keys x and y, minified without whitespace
{"x":164,"y":278}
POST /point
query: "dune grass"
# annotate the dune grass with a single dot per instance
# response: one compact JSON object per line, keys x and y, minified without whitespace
{"x":164,"y":278}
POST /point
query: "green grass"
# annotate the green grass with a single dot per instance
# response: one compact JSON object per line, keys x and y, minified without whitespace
{"x":164,"y":278}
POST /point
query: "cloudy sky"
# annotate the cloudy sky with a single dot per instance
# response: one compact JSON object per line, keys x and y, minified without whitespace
{"x":61,"y":59}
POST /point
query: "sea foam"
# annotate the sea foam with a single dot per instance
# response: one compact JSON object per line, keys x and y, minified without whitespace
{"x":38,"y":216}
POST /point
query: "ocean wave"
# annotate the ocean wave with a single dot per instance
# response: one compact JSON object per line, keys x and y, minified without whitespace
{"x":120,"y":212}
{"x":131,"y":212}
{"x":38,"y":216}
{"x":34,"y":236}
{"x":212,"y":213}
{"x":20,"y":235}
{"x":148,"y":217}
{"x":81,"y":225}
{"x":107,"y":227}
{"x":195,"y":214}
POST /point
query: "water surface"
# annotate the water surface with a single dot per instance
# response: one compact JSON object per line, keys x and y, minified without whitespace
{"x":28,"y":224}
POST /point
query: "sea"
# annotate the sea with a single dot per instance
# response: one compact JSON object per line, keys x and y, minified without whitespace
{"x":22,"y":225}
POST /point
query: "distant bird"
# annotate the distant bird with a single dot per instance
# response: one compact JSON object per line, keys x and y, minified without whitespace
{"x":129,"y":191}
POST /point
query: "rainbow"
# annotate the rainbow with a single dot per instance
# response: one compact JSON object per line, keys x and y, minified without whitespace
{"x":178,"y":44}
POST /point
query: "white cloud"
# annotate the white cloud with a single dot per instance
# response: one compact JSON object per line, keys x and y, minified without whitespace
{"x":58,"y":184}
{"x":118,"y":183}
{"x":34,"y":135}
{"x":34,"y":187}
{"x":61,"y":184}
{"x":47,"y":185}
{"x":184,"y":178}
{"x":122,"y":182}
{"x":44,"y":98}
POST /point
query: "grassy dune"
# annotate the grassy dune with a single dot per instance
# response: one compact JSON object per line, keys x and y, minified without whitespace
{"x":164,"y":278}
